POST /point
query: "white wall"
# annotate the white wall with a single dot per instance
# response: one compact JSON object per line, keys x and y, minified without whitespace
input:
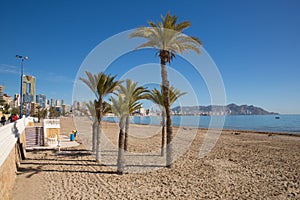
{"x":9,"y":135}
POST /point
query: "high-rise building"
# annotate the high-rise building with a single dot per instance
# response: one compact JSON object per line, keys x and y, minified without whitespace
{"x":28,"y":88}
{"x":1,"y":92}
{"x":47,"y":103}
{"x":8,"y":99}
{"x":41,"y":100}
{"x":65,"y":109}
{"x":57,"y":103}
{"x":16,"y":100}
{"x":51,"y":103}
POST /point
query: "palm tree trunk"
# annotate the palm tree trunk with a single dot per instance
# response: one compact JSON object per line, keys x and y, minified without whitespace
{"x":163,"y":135}
{"x":99,"y":132}
{"x":120,"y":163}
{"x":165,"y":83}
{"x":98,"y":149}
{"x":126,"y":132}
{"x":94,"y":137}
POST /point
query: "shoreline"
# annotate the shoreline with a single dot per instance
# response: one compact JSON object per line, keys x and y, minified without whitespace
{"x":286,"y":125}
{"x":292,"y":134}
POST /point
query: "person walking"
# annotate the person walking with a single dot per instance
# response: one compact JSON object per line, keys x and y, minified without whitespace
{"x":3,"y":120}
{"x":15,"y":118}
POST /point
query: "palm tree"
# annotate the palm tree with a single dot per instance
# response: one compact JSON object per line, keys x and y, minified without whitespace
{"x":157,"y":97}
{"x":168,"y":38}
{"x":91,"y":112}
{"x":120,"y":108}
{"x":38,"y":107}
{"x":53,"y":113}
{"x":101,"y":85}
{"x":92,"y":81}
{"x":132,"y":95}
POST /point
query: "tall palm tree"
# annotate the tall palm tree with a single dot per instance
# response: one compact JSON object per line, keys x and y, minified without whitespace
{"x":38,"y":107}
{"x":168,"y":38}
{"x":157,"y":97}
{"x":119,"y":107}
{"x":102,"y":85}
{"x":92,"y":81}
{"x":91,"y":112}
{"x":132,"y":94}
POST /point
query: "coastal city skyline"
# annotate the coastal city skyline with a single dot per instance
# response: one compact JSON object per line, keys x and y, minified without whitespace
{"x":31,"y":100}
{"x":161,"y":99}
{"x":258,"y":69}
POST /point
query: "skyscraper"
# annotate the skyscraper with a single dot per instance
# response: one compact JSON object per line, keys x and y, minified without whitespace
{"x":51,"y":103}
{"x":16,"y":100}
{"x":57,"y":104}
{"x":41,"y":100}
{"x":1,"y":92}
{"x":28,"y":87}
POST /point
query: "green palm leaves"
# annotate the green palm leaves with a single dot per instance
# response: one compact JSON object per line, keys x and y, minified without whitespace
{"x":126,"y":103}
{"x":101,"y":85}
{"x":91,"y":81}
{"x":157,"y":97}
{"x":167,"y":36}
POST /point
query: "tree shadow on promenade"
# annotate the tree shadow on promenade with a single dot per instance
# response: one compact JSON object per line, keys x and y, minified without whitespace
{"x":34,"y":171}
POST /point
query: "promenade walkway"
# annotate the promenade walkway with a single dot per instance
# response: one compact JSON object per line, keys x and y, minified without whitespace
{"x":30,"y":182}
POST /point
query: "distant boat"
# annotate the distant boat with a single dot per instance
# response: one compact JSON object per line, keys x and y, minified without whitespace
{"x":277,"y":117}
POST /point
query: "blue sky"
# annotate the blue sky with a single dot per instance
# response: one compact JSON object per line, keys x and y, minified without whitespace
{"x":255,"y":44}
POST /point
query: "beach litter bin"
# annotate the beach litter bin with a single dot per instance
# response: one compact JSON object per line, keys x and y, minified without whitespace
{"x":72,"y":137}
{"x":74,"y":132}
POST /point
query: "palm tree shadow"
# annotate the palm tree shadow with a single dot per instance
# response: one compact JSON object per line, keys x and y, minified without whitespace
{"x":30,"y":170}
{"x":56,"y":159}
{"x":75,"y":154}
{"x":34,"y":171}
{"x":147,"y":166}
{"x":143,"y":155}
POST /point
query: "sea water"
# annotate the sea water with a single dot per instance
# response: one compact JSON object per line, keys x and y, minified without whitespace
{"x":267,"y":123}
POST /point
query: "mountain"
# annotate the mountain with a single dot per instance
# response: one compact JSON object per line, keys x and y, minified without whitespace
{"x":230,"y":109}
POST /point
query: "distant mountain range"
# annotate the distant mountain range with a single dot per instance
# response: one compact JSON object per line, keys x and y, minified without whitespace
{"x":230,"y":109}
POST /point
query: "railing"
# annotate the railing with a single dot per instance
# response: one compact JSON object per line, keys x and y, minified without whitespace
{"x":9,"y":135}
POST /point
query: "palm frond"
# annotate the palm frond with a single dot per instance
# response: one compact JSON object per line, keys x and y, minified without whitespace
{"x":91,"y":81}
{"x":106,"y":85}
{"x":132,"y":94}
{"x":181,"y":26}
{"x":119,"y":106}
{"x":167,"y":35}
{"x":157,"y":96}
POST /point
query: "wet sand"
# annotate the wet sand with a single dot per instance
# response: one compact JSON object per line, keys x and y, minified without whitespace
{"x":242,"y":165}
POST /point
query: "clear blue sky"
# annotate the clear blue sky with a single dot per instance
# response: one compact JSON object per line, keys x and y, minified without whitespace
{"x":255,"y":44}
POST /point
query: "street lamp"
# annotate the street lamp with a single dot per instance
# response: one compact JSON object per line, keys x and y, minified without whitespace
{"x":21,"y":90}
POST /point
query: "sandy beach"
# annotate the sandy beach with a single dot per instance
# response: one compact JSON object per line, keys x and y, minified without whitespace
{"x":242,"y":165}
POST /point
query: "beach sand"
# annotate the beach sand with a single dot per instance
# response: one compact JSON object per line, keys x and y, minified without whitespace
{"x":242,"y":165}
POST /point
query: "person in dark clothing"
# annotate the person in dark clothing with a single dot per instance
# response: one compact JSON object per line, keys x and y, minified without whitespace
{"x":10,"y":119}
{"x":3,"y":120}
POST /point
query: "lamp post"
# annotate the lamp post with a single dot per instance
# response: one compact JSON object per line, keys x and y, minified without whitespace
{"x":21,"y":90}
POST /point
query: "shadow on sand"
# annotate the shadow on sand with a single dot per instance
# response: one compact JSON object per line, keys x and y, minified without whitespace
{"x":66,"y":161}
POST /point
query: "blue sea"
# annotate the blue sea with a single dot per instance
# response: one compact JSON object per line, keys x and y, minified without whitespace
{"x":266,"y":123}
